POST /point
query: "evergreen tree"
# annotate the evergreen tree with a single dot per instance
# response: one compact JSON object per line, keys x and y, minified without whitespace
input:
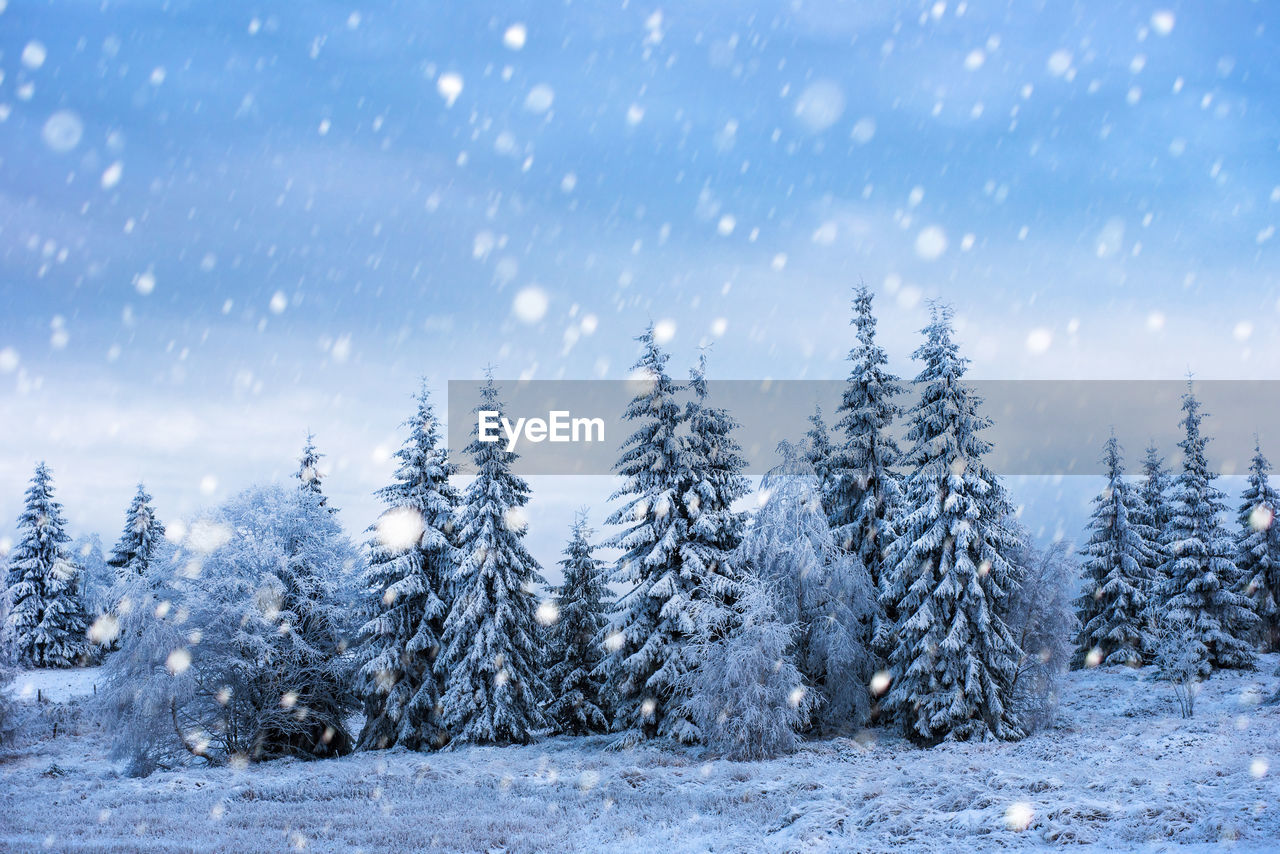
{"x":819,"y":452}
{"x":143,"y":534}
{"x":713,"y":482}
{"x":1155,"y":513}
{"x":953,"y":659}
{"x":864,"y":488}
{"x":654,"y":616}
{"x":1258,"y":549}
{"x":491,"y":638}
{"x":46,"y":624}
{"x":1114,"y":600}
{"x":309,"y":471}
{"x":412,"y":561}
{"x":1201,"y":589}
{"x":818,"y":587}
{"x":579,"y":703}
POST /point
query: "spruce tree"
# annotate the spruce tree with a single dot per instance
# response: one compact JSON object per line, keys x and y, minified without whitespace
{"x":46,"y":624}
{"x":713,"y":482}
{"x":864,"y":488}
{"x":143,"y":535}
{"x":655,"y":615}
{"x":412,"y":560}
{"x":953,"y":659}
{"x":1113,"y":603}
{"x":1258,"y":549}
{"x":1200,"y":571}
{"x":491,"y":639}
{"x":309,"y":471}
{"x":579,"y":693}
{"x":1155,"y":513}
{"x":820,"y":452}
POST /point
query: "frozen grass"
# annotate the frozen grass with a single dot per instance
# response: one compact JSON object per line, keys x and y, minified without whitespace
{"x":1121,"y":771}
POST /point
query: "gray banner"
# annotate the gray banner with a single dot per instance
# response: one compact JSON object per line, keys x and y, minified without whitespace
{"x":1039,"y":427}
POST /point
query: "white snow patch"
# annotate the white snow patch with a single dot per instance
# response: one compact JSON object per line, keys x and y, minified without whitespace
{"x":54,"y":686}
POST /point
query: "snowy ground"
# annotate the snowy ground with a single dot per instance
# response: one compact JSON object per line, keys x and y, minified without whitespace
{"x":55,"y":686}
{"x":1121,"y":771}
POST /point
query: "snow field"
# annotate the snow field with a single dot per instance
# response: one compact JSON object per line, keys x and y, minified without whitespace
{"x":1120,"y":771}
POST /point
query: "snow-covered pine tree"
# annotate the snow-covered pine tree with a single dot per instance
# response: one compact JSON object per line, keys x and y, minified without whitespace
{"x":1258,"y":548}
{"x":746,"y":694}
{"x":817,"y":586}
{"x":142,"y":536}
{"x":654,"y":617}
{"x":309,"y":471}
{"x":1201,"y":575}
{"x":1155,"y":513}
{"x":714,"y":481}
{"x":411,"y":563}
{"x":819,"y":451}
{"x":1113,"y":603}
{"x":864,"y":489}
{"x":579,"y":691}
{"x":46,"y":624}
{"x":491,"y":639}
{"x":953,"y":658}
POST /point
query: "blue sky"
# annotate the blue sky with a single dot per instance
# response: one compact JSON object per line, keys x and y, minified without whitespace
{"x":224,"y":224}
